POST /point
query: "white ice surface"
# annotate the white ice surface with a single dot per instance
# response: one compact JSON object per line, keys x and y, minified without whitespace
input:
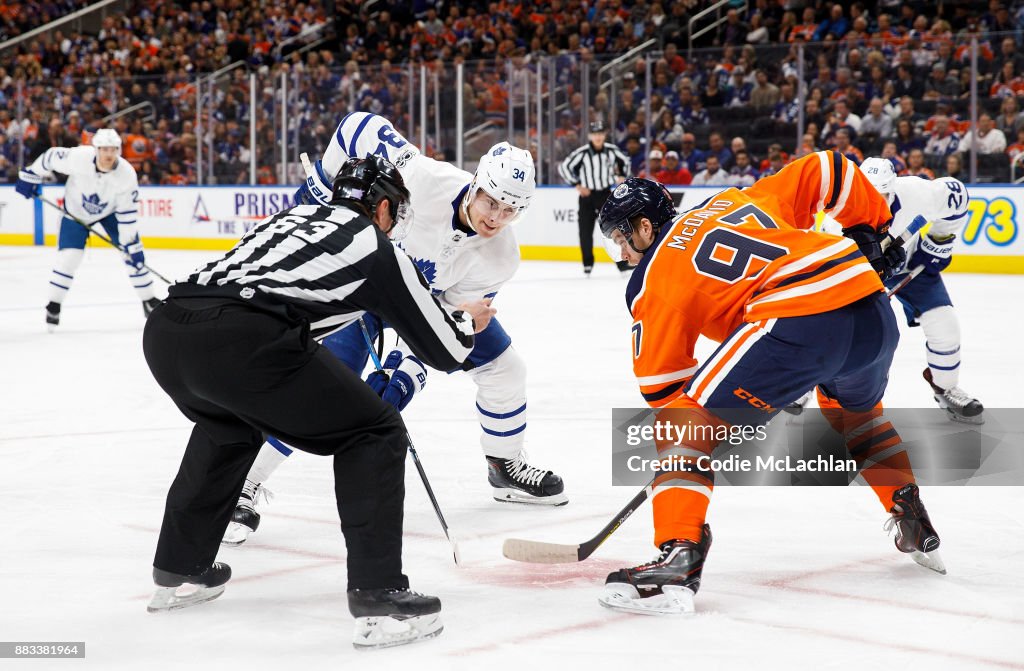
{"x":798,"y":578}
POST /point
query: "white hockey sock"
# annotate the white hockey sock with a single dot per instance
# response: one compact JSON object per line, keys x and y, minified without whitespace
{"x":142,"y":282}
{"x":266,"y":463}
{"x":942,"y":343}
{"x":501,"y":404}
{"x":63,"y":273}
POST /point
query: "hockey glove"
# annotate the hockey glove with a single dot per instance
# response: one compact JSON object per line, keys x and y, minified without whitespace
{"x":408,"y":376}
{"x":886,"y":263}
{"x":316,"y":190}
{"x":932,"y":254}
{"x":133,"y":252}
{"x":29,"y":184}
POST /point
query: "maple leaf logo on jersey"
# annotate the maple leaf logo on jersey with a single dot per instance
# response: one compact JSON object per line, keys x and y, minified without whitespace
{"x":92,"y":204}
{"x":428,"y":268}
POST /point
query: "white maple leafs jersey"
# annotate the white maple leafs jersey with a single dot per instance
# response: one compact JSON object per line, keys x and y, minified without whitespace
{"x":91,"y":195}
{"x":941,"y":201}
{"x":459,"y":266}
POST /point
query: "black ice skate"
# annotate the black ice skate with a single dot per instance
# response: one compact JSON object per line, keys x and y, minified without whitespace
{"x":52,"y":316}
{"x":665,"y":586}
{"x":149,"y":304}
{"x":915,"y":534}
{"x":958,"y":405}
{"x":515,"y":481}
{"x":245,"y":520}
{"x":393,"y":616}
{"x":208,"y":586}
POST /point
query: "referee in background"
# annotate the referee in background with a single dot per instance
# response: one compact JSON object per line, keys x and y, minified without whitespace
{"x":594,"y":169}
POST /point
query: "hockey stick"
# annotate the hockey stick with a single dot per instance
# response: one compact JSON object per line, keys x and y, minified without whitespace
{"x":415,"y":457}
{"x":99,"y":235}
{"x":538,"y":552}
{"x":904,"y":282}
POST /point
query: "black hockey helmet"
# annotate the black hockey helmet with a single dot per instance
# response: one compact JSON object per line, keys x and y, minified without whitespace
{"x":366,"y":181}
{"x":635,"y":197}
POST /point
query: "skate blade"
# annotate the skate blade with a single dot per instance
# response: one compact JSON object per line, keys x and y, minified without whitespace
{"x":505,"y":495}
{"x":931,"y":560}
{"x":236,"y":534}
{"x":50,"y":328}
{"x":673,"y":600}
{"x":961,"y":419}
{"x":167,"y":598}
{"x":372,"y":633}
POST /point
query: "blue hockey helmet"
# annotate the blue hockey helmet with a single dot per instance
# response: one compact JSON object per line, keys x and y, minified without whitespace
{"x":635,"y":197}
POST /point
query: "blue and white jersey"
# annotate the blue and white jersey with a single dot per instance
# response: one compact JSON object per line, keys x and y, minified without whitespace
{"x":91,"y":195}
{"x":459,"y":266}
{"x":942,"y":202}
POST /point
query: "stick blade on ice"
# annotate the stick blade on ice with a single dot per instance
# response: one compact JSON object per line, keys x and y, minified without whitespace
{"x":535,"y":552}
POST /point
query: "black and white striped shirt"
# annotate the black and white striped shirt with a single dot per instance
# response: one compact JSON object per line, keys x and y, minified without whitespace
{"x":596,"y":170}
{"x":330,"y":265}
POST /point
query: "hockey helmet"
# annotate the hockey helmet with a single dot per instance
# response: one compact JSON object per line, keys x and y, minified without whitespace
{"x":507,"y":175}
{"x":367,"y":181}
{"x":106,"y":137}
{"x":880,"y":173}
{"x":635,"y":197}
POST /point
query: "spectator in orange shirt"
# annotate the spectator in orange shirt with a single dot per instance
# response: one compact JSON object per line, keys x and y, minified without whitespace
{"x":806,"y":28}
{"x":673,"y":172}
{"x":654,"y":165}
{"x":1016,"y":150}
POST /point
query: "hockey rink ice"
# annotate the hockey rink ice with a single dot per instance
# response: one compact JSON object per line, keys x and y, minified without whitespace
{"x":797,"y":577}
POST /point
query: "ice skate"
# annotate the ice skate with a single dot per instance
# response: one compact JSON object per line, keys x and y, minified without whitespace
{"x":206,"y":586}
{"x":587,"y":270}
{"x":149,"y":304}
{"x":515,"y":481}
{"x":245,"y":520}
{"x":52,"y":316}
{"x":797,"y":407}
{"x":959,"y":406}
{"x":665,"y":586}
{"x":393,"y":616}
{"x":915,"y":534}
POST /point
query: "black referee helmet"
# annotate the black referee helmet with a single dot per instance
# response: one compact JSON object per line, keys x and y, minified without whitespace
{"x":366,"y":181}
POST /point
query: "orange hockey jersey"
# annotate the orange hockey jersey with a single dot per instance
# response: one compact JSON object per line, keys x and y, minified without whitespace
{"x":747,"y":255}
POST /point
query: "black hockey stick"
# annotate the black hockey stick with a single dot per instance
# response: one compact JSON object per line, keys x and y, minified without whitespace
{"x":99,"y":235}
{"x":415,"y":457}
{"x":538,"y":552}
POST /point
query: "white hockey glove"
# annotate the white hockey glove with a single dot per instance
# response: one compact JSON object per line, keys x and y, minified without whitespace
{"x":933,"y":254}
{"x":316,"y":190}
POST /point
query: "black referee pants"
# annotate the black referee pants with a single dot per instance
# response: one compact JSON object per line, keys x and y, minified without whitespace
{"x":241,"y":374}
{"x":590,"y":208}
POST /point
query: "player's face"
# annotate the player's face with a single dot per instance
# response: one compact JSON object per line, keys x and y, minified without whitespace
{"x":106,"y":157}
{"x":641,"y":237}
{"x":487,"y":215}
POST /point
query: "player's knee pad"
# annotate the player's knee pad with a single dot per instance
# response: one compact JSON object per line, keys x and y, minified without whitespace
{"x":68,"y":260}
{"x":502,"y":382}
{"x":941,"y":328}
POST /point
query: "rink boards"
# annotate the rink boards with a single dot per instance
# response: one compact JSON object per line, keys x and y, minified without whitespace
{"x":214,"y":217}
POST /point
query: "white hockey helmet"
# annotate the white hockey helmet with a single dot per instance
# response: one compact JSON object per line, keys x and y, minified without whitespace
{"x":106,"y":137}
{"x":880,"y":173}
{"x":507,"y":174}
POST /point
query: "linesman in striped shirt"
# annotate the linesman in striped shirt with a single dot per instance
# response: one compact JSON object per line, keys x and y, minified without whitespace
{"x":594,"y":169}
{"x":235,"y":347}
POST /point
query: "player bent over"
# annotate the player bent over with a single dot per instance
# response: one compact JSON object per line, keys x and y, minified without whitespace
{"x":234,"y":347}
{"x":943,"y":202}
{"x":101,"y":189}
{"x":792,"y":309}
{"x":464,"y":243}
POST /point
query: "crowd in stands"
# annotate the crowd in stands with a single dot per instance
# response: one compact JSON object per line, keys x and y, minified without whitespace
{"x":879,"y":78}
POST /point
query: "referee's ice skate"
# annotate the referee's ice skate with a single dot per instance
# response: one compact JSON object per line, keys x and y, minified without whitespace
{"x":393,"y":616}
{"x":181,"y":591}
